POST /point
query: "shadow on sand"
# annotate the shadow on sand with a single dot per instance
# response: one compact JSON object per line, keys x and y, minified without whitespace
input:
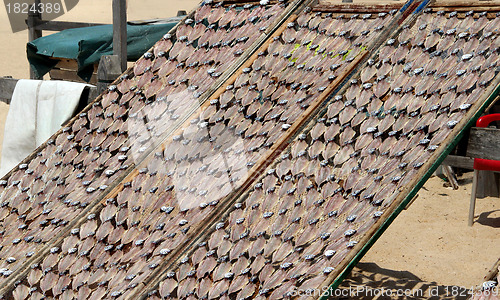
{"x":486,"y":219}
{"x":368,"y":280}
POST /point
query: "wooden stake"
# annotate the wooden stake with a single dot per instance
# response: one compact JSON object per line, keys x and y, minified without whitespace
{"x":120,"y":32}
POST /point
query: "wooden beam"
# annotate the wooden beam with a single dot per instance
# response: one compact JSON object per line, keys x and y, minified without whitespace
{"x":484,"y":143}
{"x":464,"y":9}
{"x":450,"y":175}
{"x":356,"y":8}
{"x":120,"y":32}
{"x":69,"y":75}
{"x":69,"y":64}
{"x":493,"y":271}
{"x":7,"y":86}
{"x":463,"y":3}
{"x":60,"y":25}
{"x":34,"y":15}
{"x":459,"y":162}
{"x":242,"y":2}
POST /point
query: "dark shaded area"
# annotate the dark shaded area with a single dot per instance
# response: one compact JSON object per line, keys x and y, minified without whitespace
{"x":70,"y":4}
{"x":17,"y":11}
{"x":368,"y":280}
{"x":486,"y":219}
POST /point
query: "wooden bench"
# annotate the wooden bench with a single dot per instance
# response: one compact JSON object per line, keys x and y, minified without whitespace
{"x":8,"y":84}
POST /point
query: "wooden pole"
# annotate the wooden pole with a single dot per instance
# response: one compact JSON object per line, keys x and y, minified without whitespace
{"x":356,"y":7}
{"x":34,"y":16}
{"x":473,"y":198}
{"x":120,"y":32}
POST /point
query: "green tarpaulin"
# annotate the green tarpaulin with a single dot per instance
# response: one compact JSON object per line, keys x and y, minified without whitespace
{"x":87,"y":45}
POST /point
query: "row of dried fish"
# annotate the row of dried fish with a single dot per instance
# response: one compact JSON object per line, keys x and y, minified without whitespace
{"x":473,"y":23}
{"x":325,"y":192}
{"x":447,"y":68}
{"x":216,"y":13}
{"x":42,"y":197}
{"x":354,"y":25}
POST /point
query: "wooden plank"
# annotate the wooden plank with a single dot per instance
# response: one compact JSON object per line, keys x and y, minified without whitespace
{"x":493,"y":272}
{"x":7,"y":86}
{"x":459,"y":162}
{"x":64,"y":63}
{"x":69,"y":64}
{"x":159,"y":20}
{"x":61,"y":25}
{"x":464,"y":3}
{"x":242,"y":2}
{"x":120,"y":32}
{"x":34,"y":15}
{"x":466,"y":9}
{"x":69,"y":75}
{"x":484,"y":143}
{"x":356,"y":8}
{"x":450,"y":175}
{"x":494,"y":107}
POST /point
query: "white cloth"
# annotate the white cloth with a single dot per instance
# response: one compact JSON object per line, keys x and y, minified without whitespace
{"x":37,"y":110}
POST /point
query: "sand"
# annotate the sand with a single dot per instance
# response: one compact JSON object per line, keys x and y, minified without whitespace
{"x":429,"y":247}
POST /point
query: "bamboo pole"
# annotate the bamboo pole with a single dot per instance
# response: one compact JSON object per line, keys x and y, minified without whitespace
{"x":356,"y":8}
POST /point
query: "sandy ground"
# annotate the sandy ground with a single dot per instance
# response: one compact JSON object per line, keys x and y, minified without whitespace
{"x":429,"y":248}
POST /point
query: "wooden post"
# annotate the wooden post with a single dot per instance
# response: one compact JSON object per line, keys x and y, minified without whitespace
{"x":34,"y":16}
{"x":450,"y":175}
{"x":108,"y":70}
{"x":472,"y":205}
{"x":120,"y":32}
{"x":7,"y":86}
